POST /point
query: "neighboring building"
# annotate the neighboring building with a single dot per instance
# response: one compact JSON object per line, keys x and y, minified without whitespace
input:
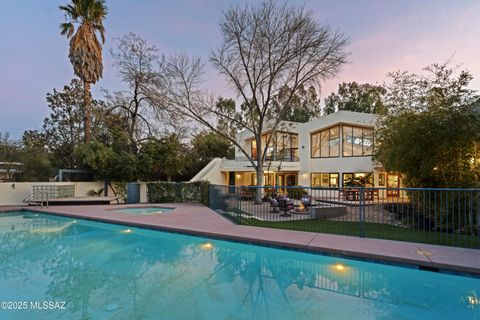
{"x":9,"y":170}
{"x":324,"y":152}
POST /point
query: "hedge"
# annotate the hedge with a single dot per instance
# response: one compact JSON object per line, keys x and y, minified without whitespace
{"x":297,"y":193}
{"x":170,"y":192}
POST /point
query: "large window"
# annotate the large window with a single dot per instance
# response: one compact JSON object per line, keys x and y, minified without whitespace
{"x":268,"y":179}
{"x":254,"y":151}
{"x":283,"y":146}
{"x":286,"y":146}
{"x":324,"y":179}
{"x":357,"y":141}
{"x":270,"y":155}
{"x":357,"y":177}
{"x":326,"y":143}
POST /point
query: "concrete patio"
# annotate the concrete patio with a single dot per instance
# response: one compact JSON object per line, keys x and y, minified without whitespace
{"x":196,"y":219}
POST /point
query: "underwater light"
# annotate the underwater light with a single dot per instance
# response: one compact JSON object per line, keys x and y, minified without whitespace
{"x":473,"y":300}
{"x":340,"y":267}
{"x":126,"y":231}
{"x":74,"y":221}
{"x":207,"y":246}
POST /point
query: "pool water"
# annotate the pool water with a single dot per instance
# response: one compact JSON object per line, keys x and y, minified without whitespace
{"x":105,"y":271}
{"x":144,"y":210}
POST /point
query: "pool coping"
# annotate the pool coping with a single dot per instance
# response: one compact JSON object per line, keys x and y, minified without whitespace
{"x":196,"y":219}
{"x":140,"y":207}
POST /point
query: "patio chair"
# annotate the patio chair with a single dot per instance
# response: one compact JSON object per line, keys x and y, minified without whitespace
{"x":285,"y":205}
{"x":273,"y":204}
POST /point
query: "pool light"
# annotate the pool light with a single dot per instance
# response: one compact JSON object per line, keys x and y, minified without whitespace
{"x":126,"y":231}
{"x":207,"y":246}
{"x":473,"y":300}
{"x":339,"y":267}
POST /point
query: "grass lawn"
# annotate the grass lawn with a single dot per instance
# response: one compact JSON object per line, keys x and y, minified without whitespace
{"x":371,"y":230}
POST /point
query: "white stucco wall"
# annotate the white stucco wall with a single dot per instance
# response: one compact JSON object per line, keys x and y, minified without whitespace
{"x":15,"y":196}
{"x":143,"y":192}
{"x":307,"y":164}
{"x":337,"y":164}
{"x":11,"y":196}
{"x":212,"y":173}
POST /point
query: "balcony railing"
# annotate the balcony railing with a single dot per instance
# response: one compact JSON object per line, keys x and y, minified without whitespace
{"x":283,"y":159}
{"x":285,"y":155}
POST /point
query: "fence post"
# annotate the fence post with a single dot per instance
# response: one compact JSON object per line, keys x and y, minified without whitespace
{"x":237,"y":198}
{"x":362,"y":211}
{"x":210,"y":196}
{"x":478,"y":219}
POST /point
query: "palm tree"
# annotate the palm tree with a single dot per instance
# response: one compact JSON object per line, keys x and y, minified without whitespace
{"x":85,"y":50}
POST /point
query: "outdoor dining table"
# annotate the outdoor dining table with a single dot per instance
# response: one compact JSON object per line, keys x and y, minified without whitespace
{"x":353,"y":194}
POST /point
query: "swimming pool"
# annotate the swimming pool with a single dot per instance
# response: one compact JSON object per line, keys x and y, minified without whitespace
{"x":143,"y":210}
{"x":104,"y":271}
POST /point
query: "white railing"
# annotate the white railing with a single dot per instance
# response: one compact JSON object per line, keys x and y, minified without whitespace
{"x":37,"y":198}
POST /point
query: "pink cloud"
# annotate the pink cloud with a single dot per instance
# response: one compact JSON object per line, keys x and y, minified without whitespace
{"x":412,"y":43}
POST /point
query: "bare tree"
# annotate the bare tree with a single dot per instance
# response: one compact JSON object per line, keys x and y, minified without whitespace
{"x":136,"y":63}
{"x":265,"y":48}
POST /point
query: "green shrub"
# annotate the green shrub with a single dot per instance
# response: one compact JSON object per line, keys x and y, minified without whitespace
{"x":296,"y":193}
{"x":120,"y":190}
{"x":163,"y":192}
{"x":204,"y":192}
{"x":93,"y":193}
{"x":218,"y":198}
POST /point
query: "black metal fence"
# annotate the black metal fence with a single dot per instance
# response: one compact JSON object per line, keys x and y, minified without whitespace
{"x":437,"y":216}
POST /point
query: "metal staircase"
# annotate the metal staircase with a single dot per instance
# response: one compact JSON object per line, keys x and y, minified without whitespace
{"x":37,"y":198}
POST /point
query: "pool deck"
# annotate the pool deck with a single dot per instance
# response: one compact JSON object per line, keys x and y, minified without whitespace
{"x":197,"y":219}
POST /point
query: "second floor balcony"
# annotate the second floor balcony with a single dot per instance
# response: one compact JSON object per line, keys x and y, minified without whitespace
{"x":284,"y":155}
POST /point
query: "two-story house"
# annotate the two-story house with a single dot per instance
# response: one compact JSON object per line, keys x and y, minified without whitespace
{"x":325,"y":152}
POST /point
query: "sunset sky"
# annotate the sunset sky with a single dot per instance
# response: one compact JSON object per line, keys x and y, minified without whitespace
{"x":385,"y":36}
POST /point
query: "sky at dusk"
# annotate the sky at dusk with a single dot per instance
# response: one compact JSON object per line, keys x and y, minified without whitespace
{"x":385,"y":36}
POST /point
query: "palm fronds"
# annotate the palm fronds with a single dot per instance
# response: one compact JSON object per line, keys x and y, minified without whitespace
{"x":85,"y":50}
